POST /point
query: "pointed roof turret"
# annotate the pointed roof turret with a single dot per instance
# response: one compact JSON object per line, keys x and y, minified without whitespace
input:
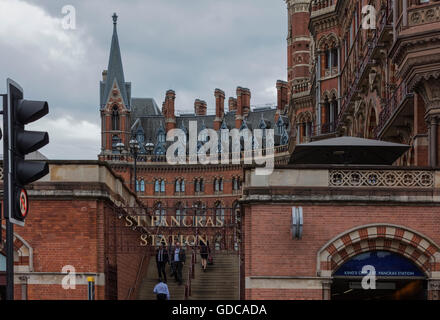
{"x":115,"y":71}
{"x":224,"y":126}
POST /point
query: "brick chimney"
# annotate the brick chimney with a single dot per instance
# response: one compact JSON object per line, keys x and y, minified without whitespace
{"x":219,"y":108}
{"x":232,"y":103}
{"x":246,"y":101}
{"x":239,"y":113}
{"x":282,"y":101}
{"x":168,"y":110}
{"x":200,"y":107}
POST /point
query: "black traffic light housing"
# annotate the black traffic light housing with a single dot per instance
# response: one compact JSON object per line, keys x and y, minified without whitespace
{"x":19,"y":142}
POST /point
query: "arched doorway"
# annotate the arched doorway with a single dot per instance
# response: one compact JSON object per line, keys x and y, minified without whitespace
{"x":395,"y":278}
{"x":409,"y":248}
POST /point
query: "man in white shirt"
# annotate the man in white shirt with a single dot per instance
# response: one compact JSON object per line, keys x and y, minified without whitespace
{"x":179,"y":258}
{"x":161,"y":290}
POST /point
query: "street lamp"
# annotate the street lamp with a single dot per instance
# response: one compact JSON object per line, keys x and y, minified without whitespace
{"x":134,"y":149}
{"x":120,"y":147}
{"x":149,"y":147}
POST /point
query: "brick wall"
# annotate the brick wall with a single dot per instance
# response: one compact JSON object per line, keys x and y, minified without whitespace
{"x":78,"y":233}
{"x":270,"y":251}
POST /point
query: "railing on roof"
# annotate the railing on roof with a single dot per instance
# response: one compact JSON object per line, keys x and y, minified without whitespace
{"x":244,"y":156}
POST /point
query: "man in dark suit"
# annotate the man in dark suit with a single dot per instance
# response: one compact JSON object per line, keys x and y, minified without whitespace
{"x":178,"y":257}
{"x":161,"y":260}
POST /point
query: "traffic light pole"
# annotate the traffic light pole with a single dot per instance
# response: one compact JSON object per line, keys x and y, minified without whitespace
{"x":17,"y":172}
{"x":9,"y":260}
{"x":6,"y":203}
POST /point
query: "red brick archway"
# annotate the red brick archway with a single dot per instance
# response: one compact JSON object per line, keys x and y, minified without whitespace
{"x":417,"y":247}
{"x":23,"y":253}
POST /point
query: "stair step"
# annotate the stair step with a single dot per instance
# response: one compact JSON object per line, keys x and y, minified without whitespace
{"x":219,"y":282}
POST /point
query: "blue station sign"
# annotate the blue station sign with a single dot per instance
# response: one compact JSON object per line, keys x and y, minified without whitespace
{"x":386,"y":264}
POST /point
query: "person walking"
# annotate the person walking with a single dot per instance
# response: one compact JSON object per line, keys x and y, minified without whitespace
{"x":179,"y":258}
{"x":161,"y":260}
{"x":204,"y":253}
{"x":161,"y":290}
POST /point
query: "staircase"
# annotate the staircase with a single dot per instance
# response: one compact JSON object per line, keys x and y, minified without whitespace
{"x":149,"y":282}
{"x":219,"y":281}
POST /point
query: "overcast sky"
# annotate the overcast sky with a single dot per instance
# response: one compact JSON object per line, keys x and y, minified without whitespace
{"x":191,"y":46}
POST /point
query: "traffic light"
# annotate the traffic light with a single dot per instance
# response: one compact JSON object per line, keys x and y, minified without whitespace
{"x":19,"y":142}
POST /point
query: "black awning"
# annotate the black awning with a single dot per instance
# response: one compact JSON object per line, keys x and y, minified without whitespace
{"x":348,"y":150}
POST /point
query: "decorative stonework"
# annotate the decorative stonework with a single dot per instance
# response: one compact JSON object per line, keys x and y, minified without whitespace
{"x":408,"y":243}
{"x":423,"y":15}
{"x":371,"y":178}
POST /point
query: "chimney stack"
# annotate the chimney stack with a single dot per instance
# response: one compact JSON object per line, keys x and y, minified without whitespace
{"x":219,"y":108}
{"x":239,"y":114}
{"x":168,"y":110}
{"x":246,"y":94}
{"x":232,"y":103}
{"x":200,"y":107}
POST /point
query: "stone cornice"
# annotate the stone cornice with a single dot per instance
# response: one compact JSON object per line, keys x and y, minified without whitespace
{"x":407,"y":42}
{"x":356,"y":196}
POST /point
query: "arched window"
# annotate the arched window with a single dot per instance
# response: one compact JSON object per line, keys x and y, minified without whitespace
{"x":162,"y":186}
{"x":142,"y":185}
{"x":236,"y":183}
{"x":219,"y":212}
{"x":216,"y":185}
{"x":372,"y":124}
{"x":177,"y":185}
{"x":137,"y":186}
{"x":2,"y":263}
{"x":199,"y":185}
{"x":335,"y":57}
{"x":180,"y":212}
{"x":221,"y":184}
{"x":199,"y":211}
{"x":115,"y":118}
{"x":160,"y":212}
{"x":182,"y":186}
{"x":156,"y":186}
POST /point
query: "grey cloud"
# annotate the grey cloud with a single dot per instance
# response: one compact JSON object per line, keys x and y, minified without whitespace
{"x":190,"y":46}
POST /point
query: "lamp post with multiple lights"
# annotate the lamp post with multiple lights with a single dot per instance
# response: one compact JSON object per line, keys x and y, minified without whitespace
{"x":134,"y":148}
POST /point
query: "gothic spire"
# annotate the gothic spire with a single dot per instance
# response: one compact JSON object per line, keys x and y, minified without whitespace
{"x":115,"y":71}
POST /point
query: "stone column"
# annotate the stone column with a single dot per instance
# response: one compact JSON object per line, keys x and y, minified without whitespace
{"x":395,"y":17}
{"x":326,"y":290}
{"x":433,"y":289}
{"x":421,"y":155}
{"x":429,"y":89}
{"x":433,"y":146}
{"x":405,"y":12}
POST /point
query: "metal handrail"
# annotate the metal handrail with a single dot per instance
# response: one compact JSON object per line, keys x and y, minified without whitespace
{"x":392,"y":105}
{"x":191,"y":273}
{"x":133,"y":288}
